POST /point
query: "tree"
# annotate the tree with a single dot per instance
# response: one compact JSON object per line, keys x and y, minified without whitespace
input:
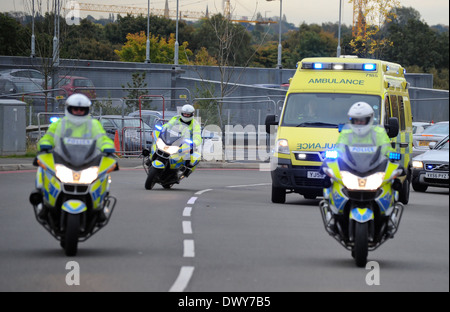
{"x":11,"y":30}
{"x":368,"y":40}
{"x":161,"y":50}
{"x":308,"y":41}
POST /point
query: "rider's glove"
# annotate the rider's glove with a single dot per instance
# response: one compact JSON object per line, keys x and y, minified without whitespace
{"x":45,"y":147}
{"x":109,"y":151}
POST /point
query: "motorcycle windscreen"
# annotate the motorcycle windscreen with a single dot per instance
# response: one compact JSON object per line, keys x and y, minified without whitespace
{"x":363,"y":158}
{"x":76,"y":151}
{"x":175,"y":134}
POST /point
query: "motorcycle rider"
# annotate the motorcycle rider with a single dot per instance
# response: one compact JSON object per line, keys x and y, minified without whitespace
{"x":79,"y":124}
{"x":186,"y":118}
{"x":361,"y":130}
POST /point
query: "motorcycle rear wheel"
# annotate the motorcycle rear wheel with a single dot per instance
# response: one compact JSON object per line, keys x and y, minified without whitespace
{"x":361,"y":248}
{"x":71,"y":237}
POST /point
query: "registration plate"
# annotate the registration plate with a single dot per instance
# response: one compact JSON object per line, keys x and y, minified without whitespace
{"x":436,"y":175}
{"x":424,"y":143}
{"x":315,"y":175}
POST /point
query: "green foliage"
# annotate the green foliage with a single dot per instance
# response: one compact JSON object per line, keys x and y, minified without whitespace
{"x":161,"y":50}
{"x":401,"y":38}
{"x":10,"y":31}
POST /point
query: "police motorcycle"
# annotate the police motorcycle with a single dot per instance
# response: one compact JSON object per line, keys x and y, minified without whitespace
{"x":361,"y":207}
{"x":172,"y":152}
{"x":72,"y":200}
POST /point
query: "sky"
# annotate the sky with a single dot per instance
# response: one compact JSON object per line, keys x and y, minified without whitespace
{"x":296,"y":11}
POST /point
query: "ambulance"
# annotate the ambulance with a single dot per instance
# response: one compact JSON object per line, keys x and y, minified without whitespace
{"x":320,"y":94}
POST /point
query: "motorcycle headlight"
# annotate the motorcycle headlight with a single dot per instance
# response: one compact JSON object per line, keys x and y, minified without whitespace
{"x":166,"y":148}
{"x":370,"y":183}
{"x":66,"y":175}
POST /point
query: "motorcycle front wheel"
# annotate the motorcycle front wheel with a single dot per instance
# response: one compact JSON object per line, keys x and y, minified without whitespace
{"x":71,"y":237}
{"x":150,"y":181}
{"x":361,"y":248}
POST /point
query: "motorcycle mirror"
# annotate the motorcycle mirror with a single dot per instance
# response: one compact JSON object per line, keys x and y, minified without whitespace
{"x":392,"y":127}
{"x":145,"y":152}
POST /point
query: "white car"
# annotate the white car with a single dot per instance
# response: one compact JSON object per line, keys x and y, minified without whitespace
{"x":420,"y":126}
{"x":434,"y":133}
{"x":431,"y":168}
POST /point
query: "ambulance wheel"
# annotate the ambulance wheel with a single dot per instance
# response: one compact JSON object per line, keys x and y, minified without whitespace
{"x":278,"y":195}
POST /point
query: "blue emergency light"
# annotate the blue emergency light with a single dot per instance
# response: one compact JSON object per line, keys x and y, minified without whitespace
{"x":369,"y":67}
{"x":339,"y":66}
{"x":331,"y":154}
{"x":395,"y":156}
{"x":317,"y":65}
{"x":54,"y":119}
{"x":158,"y":127}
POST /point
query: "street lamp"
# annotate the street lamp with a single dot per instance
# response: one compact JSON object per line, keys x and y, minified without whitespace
{"x":33,"y":38}
{"x":177,"y":46}
{"x":338,"y":52}
{"x":279,"y":66}
{"x":147,"y":49}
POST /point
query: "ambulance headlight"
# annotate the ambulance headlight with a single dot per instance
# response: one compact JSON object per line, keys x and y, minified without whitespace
{"x":282,"y":147}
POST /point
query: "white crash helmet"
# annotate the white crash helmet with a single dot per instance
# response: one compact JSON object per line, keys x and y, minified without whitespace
{"x":361,"y":118}
{"x":187,"y":113}
{"x":77,"y":101}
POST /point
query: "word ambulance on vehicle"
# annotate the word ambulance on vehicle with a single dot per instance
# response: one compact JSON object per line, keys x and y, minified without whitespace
{"x":321,"y":92}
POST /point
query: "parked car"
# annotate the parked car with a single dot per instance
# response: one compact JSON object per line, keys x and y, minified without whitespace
{"x":32,"y":74}
{"x":150,"y":117}
{"x":76,"y":84}
{"x":31,"y":92}
{"x":133,"y":135}
{"x":433,"y":133}
{"x":420,"y":126}
{"x":431,"y":168}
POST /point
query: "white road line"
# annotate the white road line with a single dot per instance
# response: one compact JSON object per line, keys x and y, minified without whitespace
{"x":189,"y":250}
{"x":192,"y":200}
{"x":203,"y":191}
{"x":183,"y":279}
{"x":187,"y":211}
{"x":234,"y":186}
{"x":187,"y":228}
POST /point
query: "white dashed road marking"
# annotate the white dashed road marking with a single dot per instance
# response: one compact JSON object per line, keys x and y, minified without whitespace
{"x":183,"y":279}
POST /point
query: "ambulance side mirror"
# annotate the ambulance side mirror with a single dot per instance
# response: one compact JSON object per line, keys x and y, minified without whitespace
{"x":271,"y":120}
{"x":392,"y":127}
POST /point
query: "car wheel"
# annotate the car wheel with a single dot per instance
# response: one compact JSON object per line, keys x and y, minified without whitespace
{"x":419,"y":187}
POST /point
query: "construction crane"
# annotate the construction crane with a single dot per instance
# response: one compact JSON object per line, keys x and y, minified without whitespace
{"x":109,"y":8}
{"x":117,"y":9}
